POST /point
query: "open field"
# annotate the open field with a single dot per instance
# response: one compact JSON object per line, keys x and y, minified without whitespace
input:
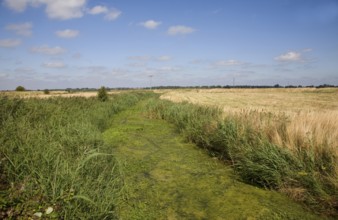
{"x":307,"y":113}
{"x":40,"y":94}
{"x":302,"y":121}
{"x":119,"y":159}
{"x":284,"y":100}
{"x":53,"y":156}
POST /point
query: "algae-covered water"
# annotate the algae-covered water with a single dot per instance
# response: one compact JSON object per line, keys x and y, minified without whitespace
{"x":166,"y":178}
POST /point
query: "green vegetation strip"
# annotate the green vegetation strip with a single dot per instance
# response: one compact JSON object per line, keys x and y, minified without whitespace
{"x":166,"y":178}
{"x":53,"y":160}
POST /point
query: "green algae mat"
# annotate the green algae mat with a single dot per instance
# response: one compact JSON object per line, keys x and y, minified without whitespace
{"x":166,"y":178}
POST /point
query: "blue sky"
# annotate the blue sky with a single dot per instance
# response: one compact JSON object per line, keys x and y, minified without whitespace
{"x":124,"y":43}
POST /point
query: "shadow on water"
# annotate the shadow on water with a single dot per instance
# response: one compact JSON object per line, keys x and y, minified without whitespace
{"x":166,"y":178}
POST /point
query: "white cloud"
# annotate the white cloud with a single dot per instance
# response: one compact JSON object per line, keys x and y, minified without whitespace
{"x":48,"y":50}
{"x":98,"y":10}
{"x":180,"y":29}
{"x":9,"y":42}
{"x":110,"y":14}
{"x":67,"y":33}
{"x":54,"y":64}
{"x":151,"y":24}
{"x":55,"y":9}
{"x":24,"y":29}
{"x":63,"y":10}
{"x":163,"y":58}
{"x":16,"y":5}
{"x":228,"y":63}
{"x":291,"y":56}
{"x":113,"y":14}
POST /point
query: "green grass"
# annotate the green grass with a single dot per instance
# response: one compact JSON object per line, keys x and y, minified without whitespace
{"x":89,"y":159}
{"x":304,"y":176}
{"x":167,"y":178}
{"x":52,"y":154}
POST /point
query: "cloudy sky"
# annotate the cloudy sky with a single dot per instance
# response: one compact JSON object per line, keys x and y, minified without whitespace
{"x":135,"y":43}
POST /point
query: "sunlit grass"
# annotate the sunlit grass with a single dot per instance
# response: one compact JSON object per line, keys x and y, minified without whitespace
{"x":281,"y":146}
{"x":53,"y":153}
{"x":53,"y":156}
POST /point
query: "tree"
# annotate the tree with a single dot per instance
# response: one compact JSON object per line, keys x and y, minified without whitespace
{"x":102,"y":94}
{"x":46,"y":92}
{"x":20,"y":89}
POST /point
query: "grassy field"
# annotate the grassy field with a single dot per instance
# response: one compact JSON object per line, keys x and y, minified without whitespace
{"x":307,"y":116}
{"x":290,"y":100}
{"x":294,"y":118}
{"x":167,"y":178}
{"x":75,"y":157}
{"x":53,"y":157}
{"x":301,"y":122}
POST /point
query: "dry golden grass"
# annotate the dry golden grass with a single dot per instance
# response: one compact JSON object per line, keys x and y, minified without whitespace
{"x":306,"y":99}
{"x":40,"y":94}
{"x":293,"y":118}
{"x":305,"y":121}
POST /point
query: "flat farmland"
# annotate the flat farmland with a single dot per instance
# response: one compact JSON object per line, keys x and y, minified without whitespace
{"x":307,"y":113}
{"x":286,"y":100}
{"x":58,"y":93}
{"x":302,"y":122}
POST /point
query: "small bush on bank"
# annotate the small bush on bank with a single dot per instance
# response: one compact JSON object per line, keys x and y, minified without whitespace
{"x":102,"y":94}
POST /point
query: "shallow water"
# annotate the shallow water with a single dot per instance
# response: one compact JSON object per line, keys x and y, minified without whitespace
{"x":167,"y":178}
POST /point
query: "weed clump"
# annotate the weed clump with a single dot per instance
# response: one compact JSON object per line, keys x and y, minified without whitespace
{"x":46,"y":92}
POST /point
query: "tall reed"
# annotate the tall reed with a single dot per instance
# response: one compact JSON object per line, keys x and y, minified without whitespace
{"x":53,"y":156}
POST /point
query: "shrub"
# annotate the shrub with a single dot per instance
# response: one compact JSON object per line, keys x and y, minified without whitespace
{"x":46,"y":92}
{"x":20,"y":89}
{"x":102,"y":94}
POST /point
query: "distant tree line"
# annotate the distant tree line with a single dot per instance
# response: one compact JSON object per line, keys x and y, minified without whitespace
{"x":240,"y":87}
{"x":71,"y":90}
